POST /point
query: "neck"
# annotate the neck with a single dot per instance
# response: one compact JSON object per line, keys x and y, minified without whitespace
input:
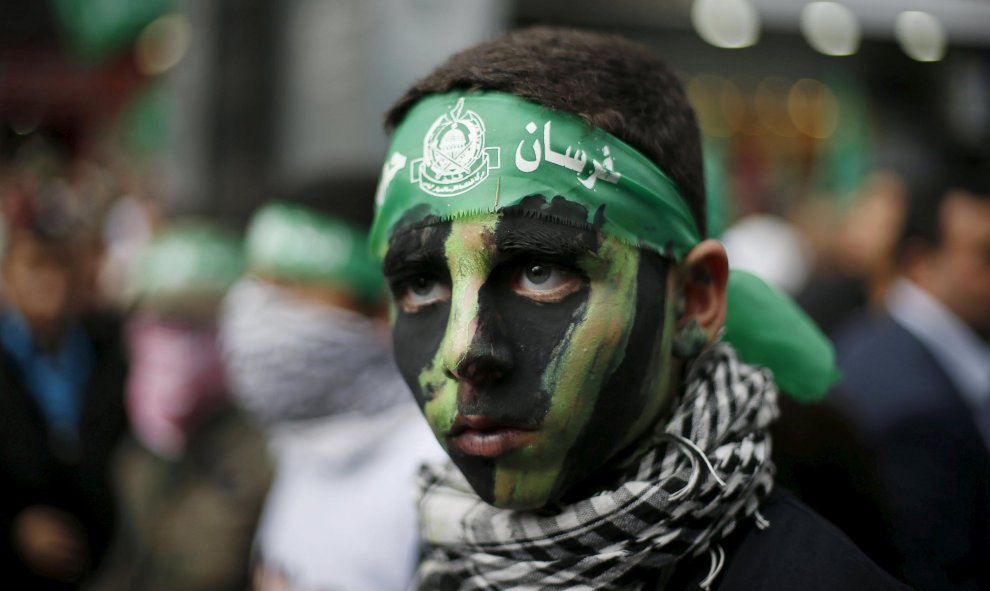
{"x":617,"y":470}
{"x":621,"y":468}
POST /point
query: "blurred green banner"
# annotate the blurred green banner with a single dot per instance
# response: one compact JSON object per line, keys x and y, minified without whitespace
{"x":97,"y":29}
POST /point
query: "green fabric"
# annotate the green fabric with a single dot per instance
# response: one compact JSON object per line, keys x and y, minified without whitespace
{"x":465,"y":153}
{"x":768,"y":328}
{"x":190,"y":260}
{"x":295,"y":243}
{"x":849,"y":151}
{"x":719,"y":208}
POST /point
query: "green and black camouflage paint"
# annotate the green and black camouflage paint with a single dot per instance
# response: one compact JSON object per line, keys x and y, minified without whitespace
{"x":590,"y":372}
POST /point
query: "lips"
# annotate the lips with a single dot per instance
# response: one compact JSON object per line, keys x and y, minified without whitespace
{"x":488,"y":437}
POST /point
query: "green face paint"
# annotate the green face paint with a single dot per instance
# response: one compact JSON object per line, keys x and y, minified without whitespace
{"x":589,"y":352}
{"x":529,"y":255}
{"x":546,"y":357}
{"x":469,"y":257}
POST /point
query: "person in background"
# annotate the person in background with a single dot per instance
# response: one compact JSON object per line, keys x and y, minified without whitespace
{"x":192,"y":480}
{"x":307,"y":353}
{"x":62,"y":373}
{"x":917,"y":384}
{"x":856,"y":246}
{"x":818,"y":453}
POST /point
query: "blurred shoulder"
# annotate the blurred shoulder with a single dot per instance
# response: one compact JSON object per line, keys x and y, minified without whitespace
{"x":800,"y":550}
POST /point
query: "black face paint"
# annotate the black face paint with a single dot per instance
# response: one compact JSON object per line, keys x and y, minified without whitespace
{"x":643,"y":365}
{"x":546,"y":357}
{"x":412,"y":253}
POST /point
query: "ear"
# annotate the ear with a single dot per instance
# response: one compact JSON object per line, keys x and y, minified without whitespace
{"x":704,"y":278}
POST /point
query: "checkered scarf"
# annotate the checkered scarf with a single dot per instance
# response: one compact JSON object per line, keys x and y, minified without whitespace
{"x":705,"y":471}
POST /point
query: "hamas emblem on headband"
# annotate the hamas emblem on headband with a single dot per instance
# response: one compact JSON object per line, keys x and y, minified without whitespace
{"x":455,"y":158}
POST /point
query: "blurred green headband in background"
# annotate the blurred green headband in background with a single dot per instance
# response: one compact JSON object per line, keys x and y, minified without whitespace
{"x":290,"y":242}
{"x":190,"y":264}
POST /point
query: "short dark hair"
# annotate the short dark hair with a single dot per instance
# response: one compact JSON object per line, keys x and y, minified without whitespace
{"x":610,"y":82}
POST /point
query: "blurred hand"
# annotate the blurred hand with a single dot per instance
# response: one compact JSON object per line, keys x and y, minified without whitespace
{"x":51,"y":543}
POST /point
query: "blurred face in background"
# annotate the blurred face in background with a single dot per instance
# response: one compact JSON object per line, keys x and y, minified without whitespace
{"x":957,"y":271}
{"x":175,"y":380}
{"x":38,"y":279}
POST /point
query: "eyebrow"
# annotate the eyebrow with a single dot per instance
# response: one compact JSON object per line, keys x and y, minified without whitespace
{"x":516,"y":234}
{"x":531,"y":235}
{"x":412,"y":251}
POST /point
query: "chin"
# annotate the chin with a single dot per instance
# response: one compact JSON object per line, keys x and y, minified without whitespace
{"x":515,"y":503}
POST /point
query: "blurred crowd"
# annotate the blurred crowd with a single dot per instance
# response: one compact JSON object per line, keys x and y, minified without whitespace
{"x":184,"y":407}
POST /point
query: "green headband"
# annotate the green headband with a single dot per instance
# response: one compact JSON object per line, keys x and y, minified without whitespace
{"x":292,"y":242}
{"x":190,"y":260}
{"x":465,"y":153}
{"x":479,"y":152}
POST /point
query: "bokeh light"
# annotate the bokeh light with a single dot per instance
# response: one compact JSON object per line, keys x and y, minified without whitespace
{"x":162,"y":44}
{"x":813,"y":108}
{"x":920,"y":35}
{"x":830,"y":28}
{"x":770,"y":104}
{"x":730,"y":24}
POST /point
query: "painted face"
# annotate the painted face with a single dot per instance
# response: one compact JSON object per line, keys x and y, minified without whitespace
{"x":537,"y":349}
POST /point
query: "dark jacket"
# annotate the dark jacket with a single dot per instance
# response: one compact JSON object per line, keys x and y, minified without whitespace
{"x":800,"y":551}
{"x":35,"y":470}
{"x":933,"y":464}
{"x":821,"y":459}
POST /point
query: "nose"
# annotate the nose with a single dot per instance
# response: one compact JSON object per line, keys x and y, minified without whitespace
{"x":475,"y":349}
{"x":488,"y":359}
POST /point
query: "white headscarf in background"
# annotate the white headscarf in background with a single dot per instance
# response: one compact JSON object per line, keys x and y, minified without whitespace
{"x":289,"y":359}
{"x":346,"y":433}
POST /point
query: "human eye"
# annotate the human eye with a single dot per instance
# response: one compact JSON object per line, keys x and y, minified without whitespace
{"x":546,"y":282}
{"x":419,"y":291}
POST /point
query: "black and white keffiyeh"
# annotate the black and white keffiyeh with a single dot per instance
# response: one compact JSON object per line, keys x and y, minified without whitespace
{"x":705,"y":470}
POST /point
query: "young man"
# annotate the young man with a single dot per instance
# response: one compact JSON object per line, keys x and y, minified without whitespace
{"x":557,"y":317}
